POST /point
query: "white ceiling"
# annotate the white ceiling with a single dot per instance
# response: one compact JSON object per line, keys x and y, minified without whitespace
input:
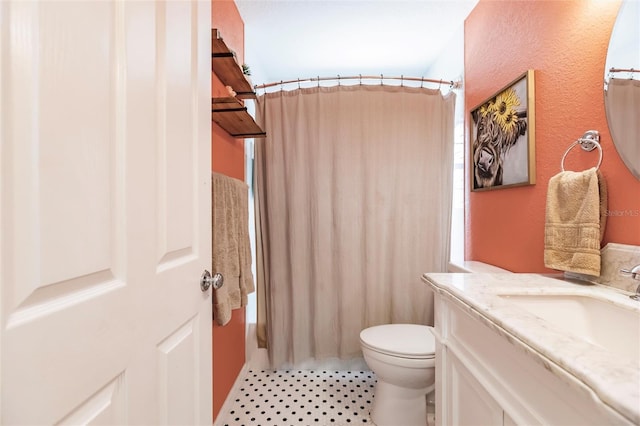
{"x":290,"y":39}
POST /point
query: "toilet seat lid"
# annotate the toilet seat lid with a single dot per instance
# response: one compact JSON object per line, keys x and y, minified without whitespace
{"x":403,"y":340}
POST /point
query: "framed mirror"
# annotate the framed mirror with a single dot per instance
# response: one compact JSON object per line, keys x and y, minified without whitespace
{"x":622,"y":85}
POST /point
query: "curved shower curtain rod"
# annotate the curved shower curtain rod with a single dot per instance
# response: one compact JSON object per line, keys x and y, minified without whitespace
{"x":452,"y":84}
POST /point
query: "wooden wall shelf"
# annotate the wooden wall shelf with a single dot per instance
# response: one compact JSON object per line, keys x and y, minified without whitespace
{"x":224,"y":64}
{"x":229,"y":113}
{"x":233,"y":117}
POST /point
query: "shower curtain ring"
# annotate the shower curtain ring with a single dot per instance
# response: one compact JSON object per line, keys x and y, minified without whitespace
{"x":281,"y":85}
{"x":360,"y":79}
{"x":401,"y":80}
{"x":338,"y":80}
{"x":318,"y":81}
{"x":298,"y":82}
{"x":422,"y":83}
{"x":381,"y":78}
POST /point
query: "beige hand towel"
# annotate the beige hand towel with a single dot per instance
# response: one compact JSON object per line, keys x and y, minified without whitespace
{"x":231,"y":251}
{"x":575,"y":221}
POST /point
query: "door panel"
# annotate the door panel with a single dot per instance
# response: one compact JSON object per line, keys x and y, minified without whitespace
{"x":106,"y":212}
{"x":106,"y":407}
{"x":51,"y":133}
{"x":177,"y":361}
{"x":176,"y":226}
{"x":74,"y":161}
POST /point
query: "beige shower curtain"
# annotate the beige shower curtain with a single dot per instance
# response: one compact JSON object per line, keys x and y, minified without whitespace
{"x":353,"y":203}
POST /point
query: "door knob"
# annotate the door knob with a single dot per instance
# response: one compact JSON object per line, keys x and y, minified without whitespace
{"x":206,"y":280}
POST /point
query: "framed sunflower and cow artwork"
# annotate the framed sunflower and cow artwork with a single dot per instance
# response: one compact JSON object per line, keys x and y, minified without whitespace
{"x":503,"y":137}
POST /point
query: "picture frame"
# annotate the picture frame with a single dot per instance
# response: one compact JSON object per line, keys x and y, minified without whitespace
{"x":502,"y":137}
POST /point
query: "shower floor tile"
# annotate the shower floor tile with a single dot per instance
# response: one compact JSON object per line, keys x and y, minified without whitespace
{"x":302,"y":398}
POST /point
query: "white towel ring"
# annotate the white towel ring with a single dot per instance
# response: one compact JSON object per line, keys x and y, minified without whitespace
{"x":588,"y":142}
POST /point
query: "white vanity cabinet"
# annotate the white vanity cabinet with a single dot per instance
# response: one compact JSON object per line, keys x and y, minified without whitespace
{"x":486,"y":376}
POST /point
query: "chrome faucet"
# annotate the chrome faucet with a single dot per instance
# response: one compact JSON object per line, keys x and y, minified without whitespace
{"x":634,"y":273}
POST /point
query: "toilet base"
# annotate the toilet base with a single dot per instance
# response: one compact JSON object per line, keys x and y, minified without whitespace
{"x":393,"y":405}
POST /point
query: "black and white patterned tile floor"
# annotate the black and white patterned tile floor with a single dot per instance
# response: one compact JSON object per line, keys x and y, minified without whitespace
{"x":301,"y":398}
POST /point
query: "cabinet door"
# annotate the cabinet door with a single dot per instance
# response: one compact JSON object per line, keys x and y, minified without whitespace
{"x":466,"y":401}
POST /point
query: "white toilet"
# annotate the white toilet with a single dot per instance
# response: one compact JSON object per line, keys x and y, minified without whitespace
{"x":403,"y":358}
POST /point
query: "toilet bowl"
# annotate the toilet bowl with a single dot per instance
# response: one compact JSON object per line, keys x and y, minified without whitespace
{"x":403,"y":358}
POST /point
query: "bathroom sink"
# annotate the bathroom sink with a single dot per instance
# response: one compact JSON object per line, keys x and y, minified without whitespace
{"x":598,"y":321}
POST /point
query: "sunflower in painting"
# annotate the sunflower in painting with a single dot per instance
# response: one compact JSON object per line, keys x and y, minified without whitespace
{"x":504,"y":109}
{"x":488,"y":107}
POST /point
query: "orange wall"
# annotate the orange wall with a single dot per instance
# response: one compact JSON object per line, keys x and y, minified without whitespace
{"x":565,"y":42}
{"x":228,"y":158}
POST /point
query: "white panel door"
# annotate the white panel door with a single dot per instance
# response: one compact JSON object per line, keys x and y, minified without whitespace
{"x":105,"y":213}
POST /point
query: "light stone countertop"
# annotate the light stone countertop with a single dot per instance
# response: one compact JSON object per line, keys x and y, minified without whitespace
{"x":614,"y":379}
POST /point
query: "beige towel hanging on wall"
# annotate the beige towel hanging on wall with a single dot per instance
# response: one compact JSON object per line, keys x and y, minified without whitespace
{"x":575,"y":220}
{"x":231,"y":247}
